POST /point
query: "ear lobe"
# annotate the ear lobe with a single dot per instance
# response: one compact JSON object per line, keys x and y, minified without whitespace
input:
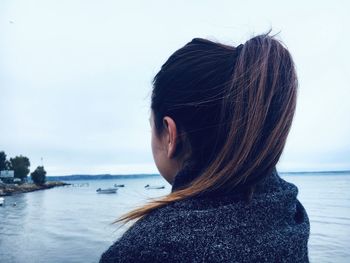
{"x":171,"y":142}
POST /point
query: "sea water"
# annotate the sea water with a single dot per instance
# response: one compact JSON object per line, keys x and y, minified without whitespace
{"x":74,"y":224}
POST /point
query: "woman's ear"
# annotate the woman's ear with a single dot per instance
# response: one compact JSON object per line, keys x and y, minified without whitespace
{"x":171,"y":138}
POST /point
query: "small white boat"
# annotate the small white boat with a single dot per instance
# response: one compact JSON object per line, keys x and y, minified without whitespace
{"x":107,"y":191}
{"x":154,"y":186}
{"x":2,"y":200}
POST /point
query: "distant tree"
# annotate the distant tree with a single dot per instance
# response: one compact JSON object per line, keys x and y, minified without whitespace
{"x":39,"y":175}
{"x":20,"y":165}
{"x":8,"y":165}
{"x":3,"y":162}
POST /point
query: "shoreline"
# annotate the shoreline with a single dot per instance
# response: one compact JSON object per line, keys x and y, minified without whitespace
{"x":8,"y":189}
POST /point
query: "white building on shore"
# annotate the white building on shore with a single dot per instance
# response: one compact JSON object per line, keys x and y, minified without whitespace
{"x":7,"y":176}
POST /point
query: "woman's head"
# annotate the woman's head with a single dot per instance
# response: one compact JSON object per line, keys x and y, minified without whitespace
{"x":224,"y":111}
{"x":232,"y":108}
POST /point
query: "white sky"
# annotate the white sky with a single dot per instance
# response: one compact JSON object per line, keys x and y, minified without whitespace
{"x":75,"y":76}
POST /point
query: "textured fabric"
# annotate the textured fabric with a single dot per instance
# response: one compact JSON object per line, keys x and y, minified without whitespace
{"x":273,"y":227}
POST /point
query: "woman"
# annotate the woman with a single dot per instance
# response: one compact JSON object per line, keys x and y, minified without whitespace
{"x":220,"y":120}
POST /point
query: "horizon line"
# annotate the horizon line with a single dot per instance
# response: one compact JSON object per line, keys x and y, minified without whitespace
{"x":124,"y":174}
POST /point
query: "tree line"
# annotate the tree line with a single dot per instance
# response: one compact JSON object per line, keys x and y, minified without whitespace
{"x":20,"y":165}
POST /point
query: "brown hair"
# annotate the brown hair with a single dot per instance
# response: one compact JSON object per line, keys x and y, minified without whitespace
{"x":234,"y":109}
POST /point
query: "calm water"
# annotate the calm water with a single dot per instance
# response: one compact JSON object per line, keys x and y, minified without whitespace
{"x":72,"y":224}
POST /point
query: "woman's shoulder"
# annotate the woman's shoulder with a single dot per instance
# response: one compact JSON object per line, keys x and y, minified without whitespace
{"x":167,"y":234}
{"x":150,"y":239}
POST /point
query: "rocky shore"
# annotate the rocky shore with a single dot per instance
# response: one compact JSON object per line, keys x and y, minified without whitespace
{"x":10,"y":189}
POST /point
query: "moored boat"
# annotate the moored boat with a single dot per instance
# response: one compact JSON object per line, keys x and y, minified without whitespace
{"x":107,"y":191}
{"x":154,"y":186}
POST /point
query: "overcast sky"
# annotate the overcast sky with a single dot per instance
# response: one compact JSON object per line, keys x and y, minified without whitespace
{"x":75,"y":76}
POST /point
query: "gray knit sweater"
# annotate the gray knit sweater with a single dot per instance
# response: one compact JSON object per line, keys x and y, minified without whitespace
{"x":273,"y":227}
